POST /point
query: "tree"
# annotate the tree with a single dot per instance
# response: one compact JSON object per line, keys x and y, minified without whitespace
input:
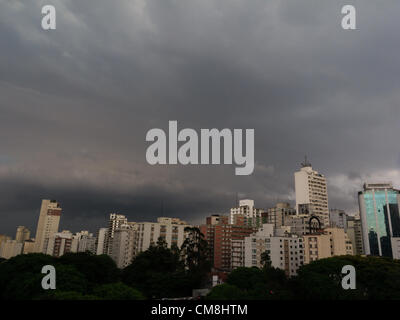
{"x":21,"y":277}
{"x":254,"y":284}
{"x":97,"y":270}
{"x":117,"y":291}
{"x":158,"y":273}
{"x":195,"y":254}
{"x":225,"y":291}
{"x":376,"y":278}
{"x":266,"y":259}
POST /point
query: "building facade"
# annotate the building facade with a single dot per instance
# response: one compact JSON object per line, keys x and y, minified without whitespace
{"x":49,"y":220}
{"x":380,"y":219}
{"x":10,"y":248}
{"x":171,"y":230}
{"x":354,"y":232}
{"x":22,"y":234}
{"x":247,"y":212}
{"x":282,"y":249}
{"x":311,"y":193}
{"x":279,"y":215}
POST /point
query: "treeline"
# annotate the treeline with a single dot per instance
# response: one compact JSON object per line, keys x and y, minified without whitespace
{"x":161,"y":272}
{"x":377,"y":278}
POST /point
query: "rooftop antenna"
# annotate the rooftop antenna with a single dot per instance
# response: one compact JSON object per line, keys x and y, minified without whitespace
{"x":305,"y":163}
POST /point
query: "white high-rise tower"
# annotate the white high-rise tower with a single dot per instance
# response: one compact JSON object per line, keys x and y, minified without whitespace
{"x":49,"y":219}
{"x":311,"y":193}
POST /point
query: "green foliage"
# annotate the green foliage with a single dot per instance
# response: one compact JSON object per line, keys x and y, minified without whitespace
{"x":195,"y":254}
{"x":79,"y":276}
{"x":21,"y":277}
{"x":162,"y":273}
{"x":158,"y":273}
{"x":376,"y":278}
{"x":117,"y":291}
{"x":96,"y":269}
{"x":70,"y":295}
{"x":225,"y":291}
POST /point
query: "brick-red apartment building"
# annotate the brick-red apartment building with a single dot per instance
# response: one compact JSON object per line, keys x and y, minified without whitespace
{"x":219,"y":235}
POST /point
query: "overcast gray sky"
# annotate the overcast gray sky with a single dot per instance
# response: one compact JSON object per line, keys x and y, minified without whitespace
{"x":76,"y":103}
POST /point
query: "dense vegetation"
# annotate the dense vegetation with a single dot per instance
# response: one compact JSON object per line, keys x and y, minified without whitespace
{"x":376,"y":278}
{"x":161,"y":272}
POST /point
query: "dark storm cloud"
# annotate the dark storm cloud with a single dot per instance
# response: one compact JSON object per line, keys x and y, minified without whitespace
{"x":76,"y":102}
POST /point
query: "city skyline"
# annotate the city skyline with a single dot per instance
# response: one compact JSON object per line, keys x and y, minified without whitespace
{"x":77,"y":102}
{"x":164,"y":212}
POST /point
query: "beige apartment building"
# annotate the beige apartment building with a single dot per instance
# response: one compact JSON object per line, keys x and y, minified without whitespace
{"x":49,"y":220}
{"x":171,"y":230}
{"x":311,"y":193}
{"x":10,"y":248}
{"x":22,"y":234}
{"x":332,"y":242}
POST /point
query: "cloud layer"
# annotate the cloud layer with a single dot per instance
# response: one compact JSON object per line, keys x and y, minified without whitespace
{"x":76,"y":103}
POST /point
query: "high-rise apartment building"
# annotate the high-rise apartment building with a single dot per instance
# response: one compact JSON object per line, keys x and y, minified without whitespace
{"x":122,"y":249}
{"x":22,"y":234}
{"x":331,"y":242}
{"x":338,"y":218}
{"x":84,"y":241}
{"x":101,"y":240}
{"x":4,"y":238}
{"x":252,"y":216}
{"x":278,"y":215}
{"x":171,"y":230}
{"x":354,"y":232}
{"x":380,"y":219}
{"x":115,"y":221}
{"x":60,"y":243}
{"x":29,"y":246}
{"x":284,"y":249}
{"x":10,"y":248}
{"x":208,"y":230}
{"x":49,"y":219}
{"x":224,"y":241}
{"x":311,"y":193}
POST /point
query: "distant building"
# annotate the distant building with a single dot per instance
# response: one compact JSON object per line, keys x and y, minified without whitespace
{"x":278,"y":215}
{"x":10,"y":248}
{"x":22,"y":234}
{"x":224,"y":240}
{"x":4,"y":238}
{"x":101,"y":240}
{"x":60,"y":243}
{"x":283,"y":249}
{"x":338,"y":218}
{"x":311,"y":193}
{"x":29,"y":246}
{"x":354,"y":232}
{"x":84,"y":241}
{"x":237,"y":253}
{"x":380,"y":219}
{"x":122,"y":249}
{"x":49,"y":219}
{"x":208,"y":230}
{"x":299,"y":224}
{"x":115,"y":221}
{"x":247,"y":213}
{"x":331,"y":242}
{"x":171,"y":230}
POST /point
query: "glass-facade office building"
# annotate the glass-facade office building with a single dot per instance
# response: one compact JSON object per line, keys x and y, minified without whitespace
{"x":380,"y":219}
